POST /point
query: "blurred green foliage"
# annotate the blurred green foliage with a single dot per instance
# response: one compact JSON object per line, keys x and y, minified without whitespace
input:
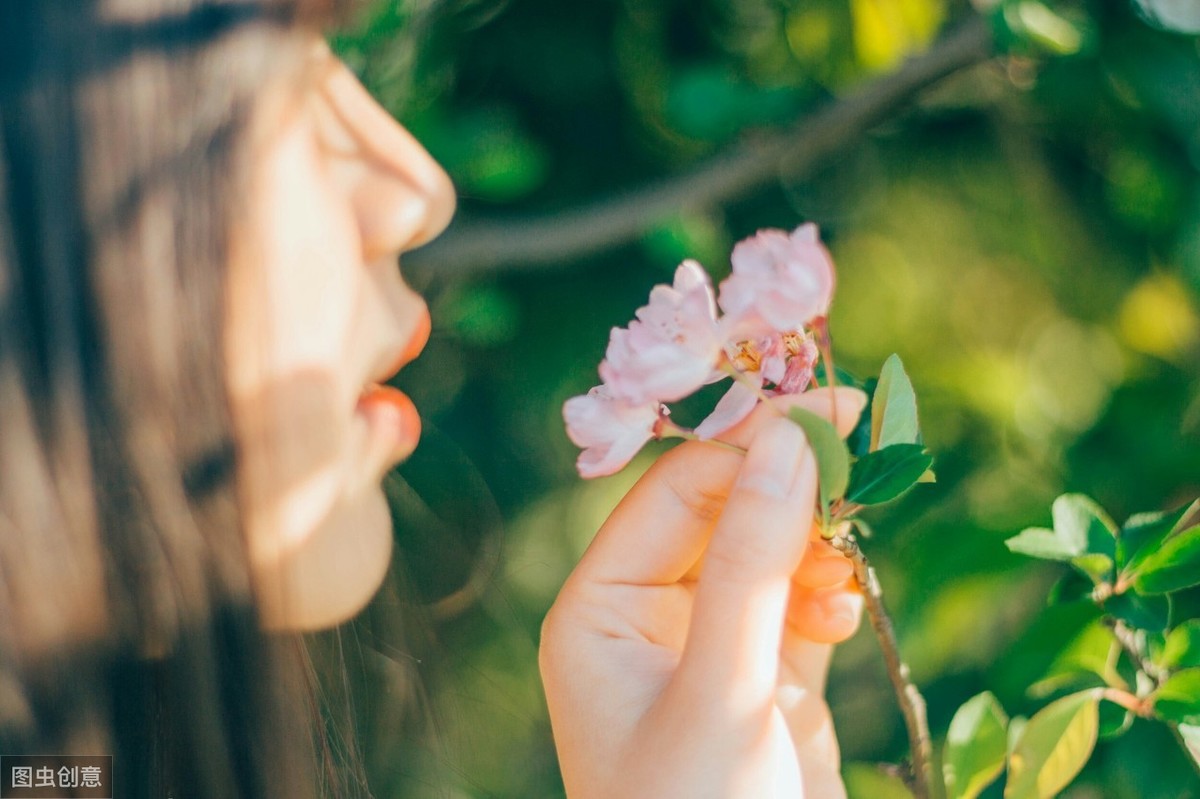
{"x":1027,"y":237}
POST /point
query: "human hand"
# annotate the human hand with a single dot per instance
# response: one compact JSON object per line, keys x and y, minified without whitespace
{"x":686,"y":655}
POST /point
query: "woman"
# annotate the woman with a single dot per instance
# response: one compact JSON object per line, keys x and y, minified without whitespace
{"x":200,"y":211}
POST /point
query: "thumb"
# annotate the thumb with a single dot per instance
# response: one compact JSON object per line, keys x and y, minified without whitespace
{"x":731,"y":655}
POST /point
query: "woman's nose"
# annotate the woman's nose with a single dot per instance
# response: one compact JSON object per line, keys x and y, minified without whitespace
{"x":402,"y":198}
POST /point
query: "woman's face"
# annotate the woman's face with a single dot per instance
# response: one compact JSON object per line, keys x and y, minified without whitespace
{"x":318,"y":316}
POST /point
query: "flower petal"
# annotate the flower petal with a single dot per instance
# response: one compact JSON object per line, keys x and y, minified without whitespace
{"x":735,"y":406}
{"x":610,"y":430}
{"x":780,"y":280}
{"x":673,"y":345}
{"x":798,"y":375}
{"x":605,"y":460}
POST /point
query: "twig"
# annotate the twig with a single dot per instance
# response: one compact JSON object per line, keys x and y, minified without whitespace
{"x":480,"y":245}
{"x":912,"y":704}
{"x":1128,"y":640}
{"x":825,"y":347}
{"x":1126,"y":700}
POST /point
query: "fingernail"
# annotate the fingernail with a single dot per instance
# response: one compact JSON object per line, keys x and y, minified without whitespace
{"x":840,"y":607}
{"x":859,"y":397}
{"x":773,"y":459}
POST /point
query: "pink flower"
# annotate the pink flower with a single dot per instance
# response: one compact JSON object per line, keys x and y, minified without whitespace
{"x":802,"y":359}
{"x":610,"y":430}
{"x":780,"y":282}
{"x":783,"y":360}
{"x":781,"y":285}
{"x":672,"y":347}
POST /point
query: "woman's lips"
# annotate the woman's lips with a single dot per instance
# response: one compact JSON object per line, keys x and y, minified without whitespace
{"x":416,"y":343}
{"x":392,"y":417}
{"x":390,"y":414}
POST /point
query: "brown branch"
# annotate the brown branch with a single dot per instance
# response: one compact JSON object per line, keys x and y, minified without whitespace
{"x":912,"y":704}
{"x":478,"y":245}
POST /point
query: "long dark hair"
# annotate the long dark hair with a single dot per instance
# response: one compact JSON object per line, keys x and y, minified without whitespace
{"x":127,"y":625}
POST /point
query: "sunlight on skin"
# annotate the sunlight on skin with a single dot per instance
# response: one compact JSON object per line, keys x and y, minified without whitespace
{"x":726,"y":617}
{"x":317,"y":313}
{"x":698,"y":667}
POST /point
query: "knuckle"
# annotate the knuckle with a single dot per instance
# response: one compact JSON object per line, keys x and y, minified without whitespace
{"x":737,"y":561}
{"x":703,"y":502}
{"x":753,"y":546}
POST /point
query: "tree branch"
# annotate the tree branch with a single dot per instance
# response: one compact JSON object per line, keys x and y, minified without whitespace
{"x":479,"y":245}
{"x":912,"y":704}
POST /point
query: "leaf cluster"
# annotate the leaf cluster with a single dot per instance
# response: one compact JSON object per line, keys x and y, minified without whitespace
{"x":1136,"y":661}
{"x":888,"y":456}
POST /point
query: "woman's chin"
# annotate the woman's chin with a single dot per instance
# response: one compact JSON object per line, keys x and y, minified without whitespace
{"x":329,"y":575}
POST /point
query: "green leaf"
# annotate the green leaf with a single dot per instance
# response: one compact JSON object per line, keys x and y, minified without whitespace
{"x":1115,"y":721}
{"x":1030,"y":657}
{"x":894,"y":407}
{"x":868,"y":781}
{"x":1143,"y":534}
{"x":1016,"y":728}
{"x":1071,"y":587}
{"x":1155,"y":641}
{"x":1083,"y":662}
{"x":1141,"y":612}
{"x":833,"y":459}
{"x":1079,"y":519}
{"x":1082,"y":534}
{"x":1178,"y":699}
{"x":1190,"y":733}
{"x":976,"y":745}
{"x":1054,"y":746}
{"x":859,"y":440}
{"x":1174,"y":565}
{"x":863,"y":528}
{"x":1098,"y":567}
{"x":1182,"y":648}
{"x":1065,"y":681}
{"x":1038,"y":542}
{"x":885,"y":474}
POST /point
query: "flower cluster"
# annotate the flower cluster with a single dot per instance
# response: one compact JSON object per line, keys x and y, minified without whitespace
{"x":776,"y":296}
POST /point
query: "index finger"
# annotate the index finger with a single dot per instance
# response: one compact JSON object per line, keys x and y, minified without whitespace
{"x":661,"y":527}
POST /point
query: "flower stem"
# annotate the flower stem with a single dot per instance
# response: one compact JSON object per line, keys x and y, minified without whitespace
{"x":912,"y":704}
{"x":825,"y":347}
{"x":671,"y":430}
{"x":722,"y":444}
{"x":743,"y":378}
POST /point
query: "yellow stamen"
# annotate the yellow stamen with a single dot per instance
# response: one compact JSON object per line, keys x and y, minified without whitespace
{"x":748,"y":358}
{"x":793,"y":342}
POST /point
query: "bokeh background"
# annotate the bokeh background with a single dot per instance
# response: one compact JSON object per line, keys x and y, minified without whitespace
{"x":1026,"y":234}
